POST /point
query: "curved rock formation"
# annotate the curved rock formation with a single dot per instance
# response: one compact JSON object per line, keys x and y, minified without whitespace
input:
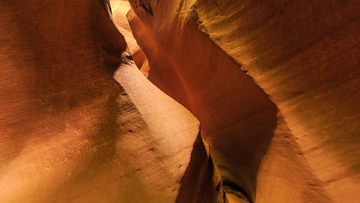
{"x":273,"y":84}
{"x":69,"y":132}
{"x":119,"y":8}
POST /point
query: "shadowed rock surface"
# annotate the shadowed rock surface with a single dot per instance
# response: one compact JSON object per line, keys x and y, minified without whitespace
{"x":68,"y":131}
{"x":273,"y":85}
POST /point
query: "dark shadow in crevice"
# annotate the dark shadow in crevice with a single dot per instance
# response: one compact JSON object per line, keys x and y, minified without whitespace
{"x":232,"y":188}
{"x":197,"y":184}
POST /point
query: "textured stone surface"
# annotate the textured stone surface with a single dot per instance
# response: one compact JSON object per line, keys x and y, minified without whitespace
{"x":273,"y":84}
{"x":69,"y":132}
{"x":119,"y":9}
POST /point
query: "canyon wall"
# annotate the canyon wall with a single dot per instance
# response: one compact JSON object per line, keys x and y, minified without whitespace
{"x":70,"y":132}
{"x":273,"y":88}
{"x":273,"y":84}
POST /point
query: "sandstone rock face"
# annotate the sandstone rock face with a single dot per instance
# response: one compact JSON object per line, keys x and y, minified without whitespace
{"x":119,"y":8}
{"x":69,"y":132}
{"x":273,"y":84}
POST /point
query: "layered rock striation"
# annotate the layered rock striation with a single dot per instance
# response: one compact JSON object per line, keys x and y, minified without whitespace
{"x":70,"y":132}
{"x":273,"y":84}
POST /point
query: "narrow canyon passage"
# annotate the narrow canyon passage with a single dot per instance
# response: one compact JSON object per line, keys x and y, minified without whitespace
{"x":239,"y":121}
{"x":179,"y":101}
{"x":246,"y":128}
{"x":202,"y":59}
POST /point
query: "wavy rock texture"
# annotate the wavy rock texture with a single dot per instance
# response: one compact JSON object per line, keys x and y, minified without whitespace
{"x":119,"y":8}
{"x":69,"y":132}
{"x":273,"y":84}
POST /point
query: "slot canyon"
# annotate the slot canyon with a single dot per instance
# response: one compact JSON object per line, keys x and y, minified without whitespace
{"x":179,"y":101}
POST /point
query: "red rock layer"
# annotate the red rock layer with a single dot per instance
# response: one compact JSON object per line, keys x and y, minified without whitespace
{"x":287,"y":133}
{"x":68,"y":131}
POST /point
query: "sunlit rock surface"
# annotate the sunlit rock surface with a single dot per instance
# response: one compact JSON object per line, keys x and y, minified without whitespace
{"x":119,"y":8}
{"x":69,"y":132}
{"x":273,"y":84}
